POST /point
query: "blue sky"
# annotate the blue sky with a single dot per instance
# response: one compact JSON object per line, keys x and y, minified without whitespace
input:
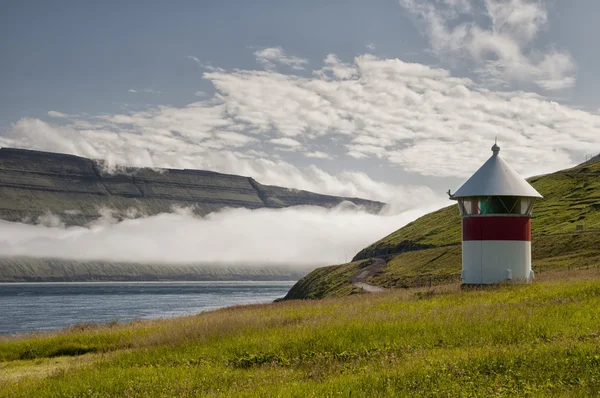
{"x":83,"y":56}
{"x":381,"y":99}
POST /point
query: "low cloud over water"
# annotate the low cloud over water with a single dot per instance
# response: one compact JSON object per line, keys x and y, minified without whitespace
{"x":296,"y":236}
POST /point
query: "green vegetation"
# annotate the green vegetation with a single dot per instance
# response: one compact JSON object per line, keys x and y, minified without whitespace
{"x":440,"y":228}
{"x":430,"y":339}
{"x":534,"y":340}
{"x":443,"y":265}
{"x":427,"y":251}
{"x":571,"y":197}
{"x":332,"y":281}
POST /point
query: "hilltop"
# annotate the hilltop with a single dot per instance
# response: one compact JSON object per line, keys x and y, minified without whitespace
{"x":34,"y":184}
{"x":565,"y":235}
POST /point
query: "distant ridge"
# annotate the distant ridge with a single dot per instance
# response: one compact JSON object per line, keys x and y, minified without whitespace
{"x":35,"y":184}
{"x":29,"y":269}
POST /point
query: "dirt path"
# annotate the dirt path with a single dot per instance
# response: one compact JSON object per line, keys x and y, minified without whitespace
{"x":369,"y":288}
{"x":370,"y":268}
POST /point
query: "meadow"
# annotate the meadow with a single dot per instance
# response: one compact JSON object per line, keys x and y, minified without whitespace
{"x":508,"y":340}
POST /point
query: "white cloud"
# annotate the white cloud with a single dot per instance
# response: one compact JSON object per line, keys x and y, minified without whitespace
{"x":371,"y":46}
{"x":56,"y":114}
{"x":414,"y":117}
{"x":285,"y":142}
{"x":365,"y":150}
{"x":273,"y":56}
{"x":144,"y":91}
{"x":336,"y":68}
{"x":369,"y":140}
{"x":231,"y":140}
{"x":501,"y":44}
{"x":317,"y":155}
{"x":304,"y":236}
{"x":204,"y":65}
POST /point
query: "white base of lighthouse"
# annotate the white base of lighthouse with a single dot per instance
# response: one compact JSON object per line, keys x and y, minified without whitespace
{"x":496,"y":261}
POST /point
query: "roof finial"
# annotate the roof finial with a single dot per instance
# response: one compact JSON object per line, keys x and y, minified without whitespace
{"x":496,"y":148}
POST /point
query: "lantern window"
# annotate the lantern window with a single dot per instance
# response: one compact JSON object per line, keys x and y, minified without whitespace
{"x":483,"y":205}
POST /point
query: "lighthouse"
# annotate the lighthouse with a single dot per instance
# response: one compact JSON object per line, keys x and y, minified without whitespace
{"x":495,"y":205}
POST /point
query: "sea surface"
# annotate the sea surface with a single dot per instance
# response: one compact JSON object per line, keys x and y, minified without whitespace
{"x":33,"y":307}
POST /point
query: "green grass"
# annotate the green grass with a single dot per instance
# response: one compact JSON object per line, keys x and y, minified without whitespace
{"x":539,"y":340}
{"x":420,"y":268}
{"x":571,"y":197}
{"x":440,"y":265}
{"x":332,"y":281}
{"x":443,"y":264}
{"x":427,"y":250}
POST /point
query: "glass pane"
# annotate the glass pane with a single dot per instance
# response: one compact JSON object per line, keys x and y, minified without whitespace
{"x":483,"y":205}
{"x":461,"y":207}
{"x":525,"y":207}
{"x":512,"y":204}
{"x":496,"y":205}
{"x":493,"y":205}
{"x":471,"y":206}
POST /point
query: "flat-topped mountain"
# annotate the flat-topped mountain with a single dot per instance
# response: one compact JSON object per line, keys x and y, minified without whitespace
{"x":34,"y":184}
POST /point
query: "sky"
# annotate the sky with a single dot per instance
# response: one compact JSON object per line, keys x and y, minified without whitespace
{"x":340,"y":97}
{"x":396,"y":100}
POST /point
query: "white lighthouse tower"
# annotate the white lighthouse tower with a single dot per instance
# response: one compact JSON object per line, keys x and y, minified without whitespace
{"x":495,"y":206}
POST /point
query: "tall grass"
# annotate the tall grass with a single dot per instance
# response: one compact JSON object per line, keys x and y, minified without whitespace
{"x":541,"y":339}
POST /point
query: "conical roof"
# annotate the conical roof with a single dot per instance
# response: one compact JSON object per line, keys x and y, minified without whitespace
{"x":496,"y":178}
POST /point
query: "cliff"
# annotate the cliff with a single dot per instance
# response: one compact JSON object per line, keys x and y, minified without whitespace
{"x":33,"y":184}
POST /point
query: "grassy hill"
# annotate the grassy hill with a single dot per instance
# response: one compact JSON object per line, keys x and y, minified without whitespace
{"x":427,"y":251}
{"x":536,"y":340}
{"x":34,"y":183}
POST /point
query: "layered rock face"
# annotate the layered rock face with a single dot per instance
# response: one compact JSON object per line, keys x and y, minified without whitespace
{"x":35,"y":184}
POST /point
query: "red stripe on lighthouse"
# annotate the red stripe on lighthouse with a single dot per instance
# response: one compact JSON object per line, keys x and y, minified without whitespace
{"x":496,"y":228}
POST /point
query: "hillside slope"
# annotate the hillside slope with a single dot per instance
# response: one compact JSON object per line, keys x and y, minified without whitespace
{"x":427,"y":250}
{"x":33,"y":184}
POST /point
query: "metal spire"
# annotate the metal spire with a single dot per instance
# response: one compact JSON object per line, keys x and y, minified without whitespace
{"x":496,"y":148}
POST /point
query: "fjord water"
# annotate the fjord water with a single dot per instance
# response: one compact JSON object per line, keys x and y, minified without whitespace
{"x":33,"y":307}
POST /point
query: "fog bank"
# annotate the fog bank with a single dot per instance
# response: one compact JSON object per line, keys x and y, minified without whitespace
{"x":296,"y":236}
